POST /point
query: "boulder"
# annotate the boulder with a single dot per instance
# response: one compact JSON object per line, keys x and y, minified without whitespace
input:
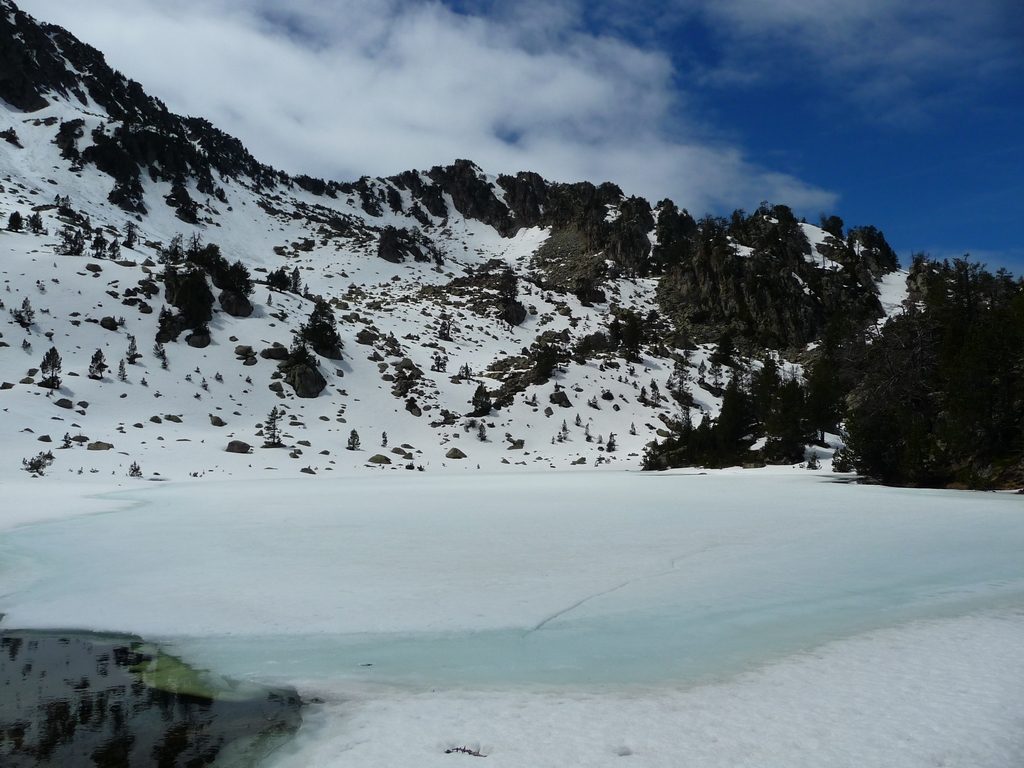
{"x":235,"y":304}
{"x":275,"y":351}
{"x":455,"y":453}
{"x":217,"y":421}
{"x":560,"y":398}
{"x":306,"y":380}
{"x":379,"y":458}
{"x":64,"y":403}
{"x":514,"y":313}
{"x":108,"y":323}
{"x":409,"y":368}
{"x":99,"y":445}
{"x":238,"y":446}
{"x":198,"y":339}
{"x":366,"y":336}
{"x":412,"y":407}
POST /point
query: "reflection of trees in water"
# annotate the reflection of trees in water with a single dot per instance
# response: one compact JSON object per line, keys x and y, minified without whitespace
{"x":75,"y":700}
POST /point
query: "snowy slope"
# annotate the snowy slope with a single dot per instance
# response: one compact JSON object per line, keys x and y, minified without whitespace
{"x":332,"y":240}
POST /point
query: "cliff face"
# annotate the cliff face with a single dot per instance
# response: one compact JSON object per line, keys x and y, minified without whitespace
{"x":762,"y":277}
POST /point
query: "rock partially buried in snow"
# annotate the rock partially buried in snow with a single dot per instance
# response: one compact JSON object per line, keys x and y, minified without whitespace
{"x":99,"y":445}
{"x":379,"y":458}
{"x":108,"y":323}
{"x":238,"y":446}
{"x":455,"y":453}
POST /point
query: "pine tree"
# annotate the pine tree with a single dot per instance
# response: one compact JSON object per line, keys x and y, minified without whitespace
{"x":72,"y":242}
{"x":272,"y":428}
{"x":131,"y":234}
{"x":384,"y":440}
{"x":38,"y":464}
{"x":353,"y":441}
{"x":50,"y":368}
{"x":35,"y":223}
{"x":97,"y":365}
{"x":160,"y":354}
{"x":481,"y":401}
{"x":24,"y":316}
{"x":133,"y":350}
{"x":320,"y":331}
{"x":15,"y":222}
{"x":122,"y":374}
{"x":99,"y":245}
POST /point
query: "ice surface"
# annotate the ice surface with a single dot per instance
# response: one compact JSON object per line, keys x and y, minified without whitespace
{"x":542,"y":617}
{"x":932,"y":694}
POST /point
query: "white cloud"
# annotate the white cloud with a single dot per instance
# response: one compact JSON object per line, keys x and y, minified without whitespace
{"x":351,"y":87}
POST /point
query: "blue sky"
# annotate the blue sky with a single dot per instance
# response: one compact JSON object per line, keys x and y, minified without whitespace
{"x":926,"y":142}
{"x":905,"y":114}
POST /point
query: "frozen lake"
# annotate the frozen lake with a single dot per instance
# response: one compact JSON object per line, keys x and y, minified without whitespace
{"x":584,"y":595}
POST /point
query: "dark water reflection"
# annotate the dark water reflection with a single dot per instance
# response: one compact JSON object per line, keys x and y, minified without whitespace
{"x":78,"y":699}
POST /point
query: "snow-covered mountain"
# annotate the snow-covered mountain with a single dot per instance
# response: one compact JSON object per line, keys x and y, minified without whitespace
{"x":484,"y":321}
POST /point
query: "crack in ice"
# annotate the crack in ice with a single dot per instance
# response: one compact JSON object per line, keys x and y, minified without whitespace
{"x":673,"y":568}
